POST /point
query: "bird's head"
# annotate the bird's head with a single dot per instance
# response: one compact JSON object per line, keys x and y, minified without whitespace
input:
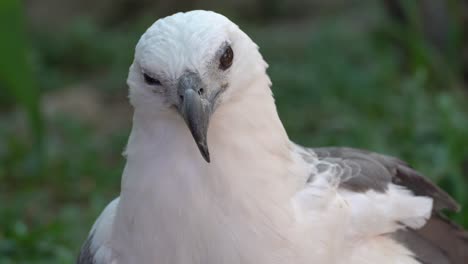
{"x":188,"y":64}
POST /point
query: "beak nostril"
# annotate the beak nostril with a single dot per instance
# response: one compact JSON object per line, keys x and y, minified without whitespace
{"x":201,"y":91}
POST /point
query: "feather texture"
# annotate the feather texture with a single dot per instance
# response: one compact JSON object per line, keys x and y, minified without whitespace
{"x":262,"y":199}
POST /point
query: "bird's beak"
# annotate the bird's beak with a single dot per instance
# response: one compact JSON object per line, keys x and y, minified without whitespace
{"x":196,"y":110}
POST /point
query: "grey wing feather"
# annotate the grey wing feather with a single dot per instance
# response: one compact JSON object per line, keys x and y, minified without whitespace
{"x":377,"y":171}
{"x":95,"y":249}
{"x":86,"y":255}
{"x":440,"y":241}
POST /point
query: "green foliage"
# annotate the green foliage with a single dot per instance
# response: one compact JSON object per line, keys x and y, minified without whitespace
{"x":335,"y":83}
{"x":84,"y":51}
{"x":431,"y":46}
{"x":15,"y":71}
{"x":45,"y":219}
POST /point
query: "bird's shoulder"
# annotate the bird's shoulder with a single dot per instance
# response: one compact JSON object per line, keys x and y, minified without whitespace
{"x":362,"y":170}
{"x":438,"y":241}
{"x":95,"y":249}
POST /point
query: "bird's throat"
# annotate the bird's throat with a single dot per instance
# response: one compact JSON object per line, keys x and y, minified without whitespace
{"x":169,"y":192}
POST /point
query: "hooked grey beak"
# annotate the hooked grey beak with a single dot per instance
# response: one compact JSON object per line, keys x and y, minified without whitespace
{"x":196,"y":110}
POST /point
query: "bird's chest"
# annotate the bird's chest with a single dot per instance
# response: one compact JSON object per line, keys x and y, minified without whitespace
{"x":200,"y":229}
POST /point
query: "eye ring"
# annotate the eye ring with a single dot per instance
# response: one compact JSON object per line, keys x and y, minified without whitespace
{"x":150,"y":80}
{"x":226,"y":59}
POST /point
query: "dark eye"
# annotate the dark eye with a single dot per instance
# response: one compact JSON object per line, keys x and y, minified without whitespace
{"x":150,"y":80}
{"x":226,"y":59}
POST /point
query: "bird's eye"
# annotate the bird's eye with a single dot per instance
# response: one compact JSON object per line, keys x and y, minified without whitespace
{"x":150,"y":80}
{"x":226,"y":59}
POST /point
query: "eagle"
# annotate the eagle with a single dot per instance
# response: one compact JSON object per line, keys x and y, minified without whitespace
{"x":211,"y":176}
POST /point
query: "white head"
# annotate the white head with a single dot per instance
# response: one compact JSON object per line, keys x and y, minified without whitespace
{"x":190,"y":64}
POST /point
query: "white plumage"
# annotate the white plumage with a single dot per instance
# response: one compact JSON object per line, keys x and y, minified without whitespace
{"x":262,"y":199}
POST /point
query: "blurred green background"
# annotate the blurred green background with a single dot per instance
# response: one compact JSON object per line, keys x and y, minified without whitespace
{"x":387,"y":75}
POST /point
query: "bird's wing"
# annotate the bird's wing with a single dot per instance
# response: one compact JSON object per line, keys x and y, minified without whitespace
{"x":376,"y":171}
{"x":439,"y":241}
{"x":96,"y":250}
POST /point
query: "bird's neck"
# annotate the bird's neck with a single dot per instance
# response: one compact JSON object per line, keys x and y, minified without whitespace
{"x":247,"y":142}
{"x":170,"y":192}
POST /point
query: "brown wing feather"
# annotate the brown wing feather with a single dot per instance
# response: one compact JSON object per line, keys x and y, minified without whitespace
{"x":440,"y":241}
{"x":86,"y":256}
